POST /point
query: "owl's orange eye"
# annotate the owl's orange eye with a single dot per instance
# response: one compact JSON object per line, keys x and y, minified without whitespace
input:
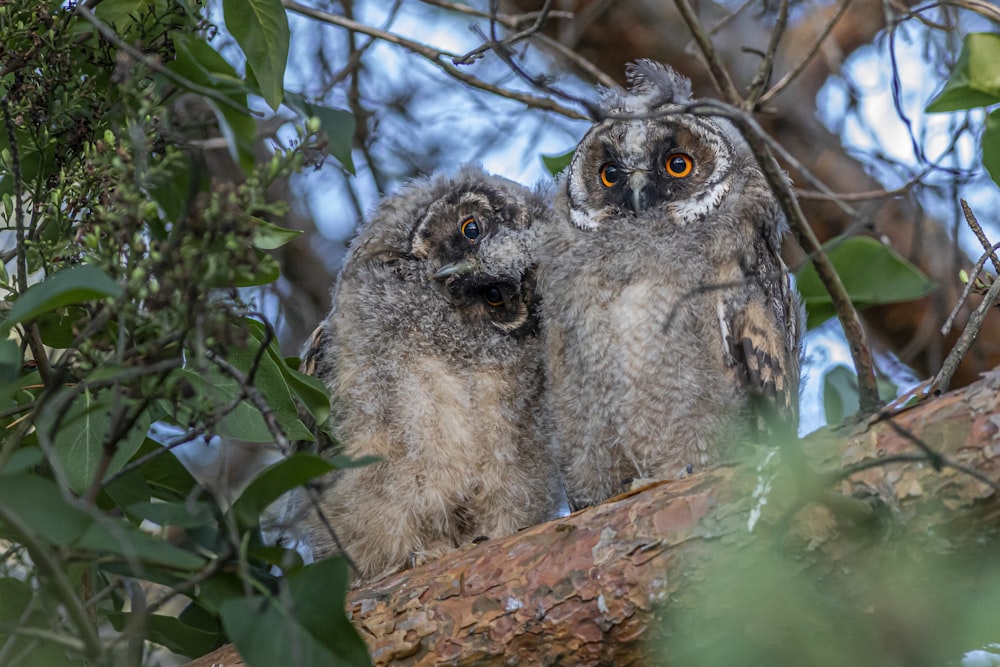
{"x":679,"y":165}
{"x":493,"y":297}
{"x":610,"y":174}
{"x":470,"y":229}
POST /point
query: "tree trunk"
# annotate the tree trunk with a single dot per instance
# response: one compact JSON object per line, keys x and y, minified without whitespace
{"x":594,"y":587}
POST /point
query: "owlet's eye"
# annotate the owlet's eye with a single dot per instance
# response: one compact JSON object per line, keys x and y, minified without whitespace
{"x":610,"y":174}
{"x":679,"y":165}
{"x":493,"y":297}
{"x":470,"y":229}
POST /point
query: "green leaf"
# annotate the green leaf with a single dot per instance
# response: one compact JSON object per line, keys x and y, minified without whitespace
{"x":840,"y":393}
{"x":260,"y":27}
{"x":310,"y":391}
{"x":79,"y":440}
{"x":991,"y":146}
{"x":166,"y":476}
{"x":975,"y":81}
{"x":14,"y":598}
{"x":198,"y":62}
{"x":338,"y":126}
{"x":172,"y":184}
{"x":182,"y":515}
{"x":74,"y":285}
{"x":266,"y":271}
{"x":872,"y":272}
{"x":10,"y":371}
{"x":268,"y":236}
{"x":268,"y":634}
{"x":172,"y":633}
{"x":120,"y":537}
{"x":23,"y":460}
{"x":318,"y":593}
{"x":556,"y":163}
{"x":39,"y":504}
{"x":276,"y":480}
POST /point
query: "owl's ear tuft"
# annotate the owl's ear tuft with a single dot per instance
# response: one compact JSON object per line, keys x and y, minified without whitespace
{"x":659,"y":82}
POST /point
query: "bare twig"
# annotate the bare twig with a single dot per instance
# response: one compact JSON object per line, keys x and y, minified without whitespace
{"x":970,"y":219}
{"x":720,"y":75}
{"x":776,"y":89}
{"x":766,"y":67}
{"x":968,"y":337}
{"x":436,"y":57}
{"x":970,"y":285}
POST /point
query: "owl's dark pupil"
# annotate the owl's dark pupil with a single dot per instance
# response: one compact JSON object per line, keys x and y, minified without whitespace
{"x":470,"y":229}
{"x":678,"y":164}
{"x":610,"y":174}
{"x":493,"y":296}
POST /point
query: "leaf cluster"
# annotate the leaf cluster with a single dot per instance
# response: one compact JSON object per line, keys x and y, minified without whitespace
{"x":123,"y":276}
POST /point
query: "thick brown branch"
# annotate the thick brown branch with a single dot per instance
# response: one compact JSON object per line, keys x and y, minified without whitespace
{"x":593,"y":588}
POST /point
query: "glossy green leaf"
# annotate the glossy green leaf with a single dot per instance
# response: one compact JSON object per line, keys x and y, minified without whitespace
{"x":556,"y":163}
{"x":198,"y":62}
{"x":975,"y":81}
{"x":991,"y":146}
{"x":310,"y":391}
{"x":872,"y":272}
{"x":275,"y":480}
{"x":166,"y":476}
{"x":39,"y":504}
{"x":172,"y":185}
{"x":268,"y":236}
{"x":74,"y":285}
{"x":79,"y":440}
{"x":22,"y":461}
{"x":315,"y":630}
{"x":171,"y":632}
{"x":119,"y":537}
{"x":260,"y":27}
{"x":337,"y":124}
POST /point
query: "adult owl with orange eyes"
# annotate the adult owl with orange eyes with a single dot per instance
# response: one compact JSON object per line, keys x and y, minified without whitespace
{"x":433,"y":359}
{"x":666,"y":307}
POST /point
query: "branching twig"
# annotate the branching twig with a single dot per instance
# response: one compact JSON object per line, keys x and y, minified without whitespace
{"x":436,"y":57}
{"x":800,"y":66}
{"x":763,"y":75}
{"x":968,"y":337}
{"x":720,"y":75}
{"x":970,"y":219}
{"x":970,"y":285}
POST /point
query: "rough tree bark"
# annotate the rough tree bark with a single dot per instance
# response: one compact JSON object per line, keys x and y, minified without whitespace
{"x":594,"y":587}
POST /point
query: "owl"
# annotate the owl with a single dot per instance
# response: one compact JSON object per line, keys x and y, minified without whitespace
{"x":433,"y":359}
{"x":666,"y":308}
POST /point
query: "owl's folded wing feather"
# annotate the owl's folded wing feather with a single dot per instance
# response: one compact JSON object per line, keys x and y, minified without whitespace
{"x":763,"y":346}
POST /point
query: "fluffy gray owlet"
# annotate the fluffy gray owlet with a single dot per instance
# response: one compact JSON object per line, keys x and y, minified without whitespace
{"x":665,"y":304}
{"x":433,"y":359}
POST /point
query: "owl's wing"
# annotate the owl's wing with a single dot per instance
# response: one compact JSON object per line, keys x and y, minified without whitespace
{"x":763,"y":344}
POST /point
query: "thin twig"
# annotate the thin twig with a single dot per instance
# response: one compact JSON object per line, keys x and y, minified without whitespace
{"x":720,"y":75}
{"x":800,"y":66}
{"x":969,"y":286}
{"x":968,"y":337}
{"x":766,"y":67}
{"x":58,"y":579}
{"x":970,"y":219}
{"x":436,"y":57}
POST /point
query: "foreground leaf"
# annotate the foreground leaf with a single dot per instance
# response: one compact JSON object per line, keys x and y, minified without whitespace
{"x":74,"y":285}
{"x":261,"y":29}
{"x":975,"y":81}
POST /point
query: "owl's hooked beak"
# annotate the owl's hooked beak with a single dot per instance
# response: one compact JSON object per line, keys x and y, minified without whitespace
{"x":637,"y":182}
{"x":459,"y":268}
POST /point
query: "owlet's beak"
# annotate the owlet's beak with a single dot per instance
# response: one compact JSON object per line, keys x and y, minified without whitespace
{"x":637,"y":182}
{"x":460,"y":268}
